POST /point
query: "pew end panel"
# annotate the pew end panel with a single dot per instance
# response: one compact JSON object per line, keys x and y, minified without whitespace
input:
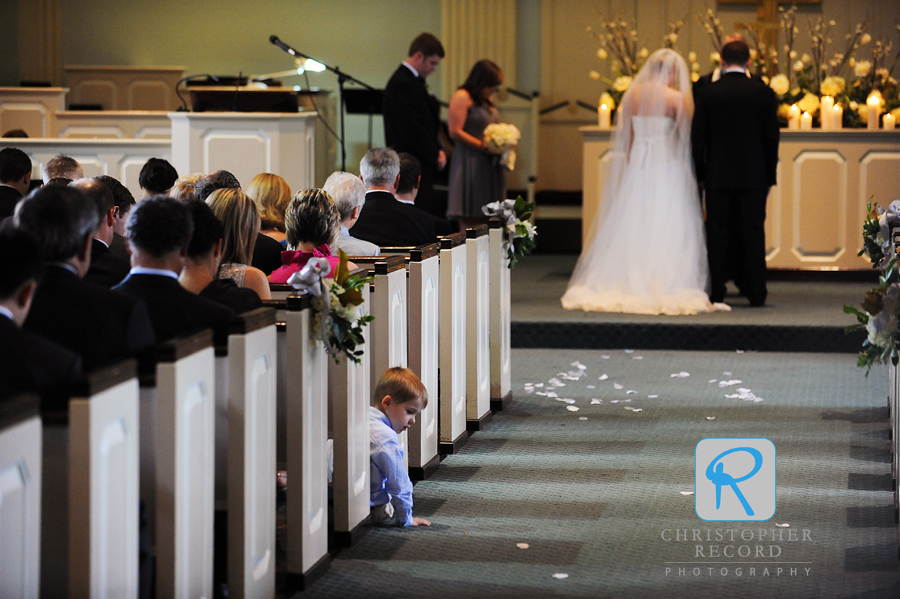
{"x":252,"y":362}
{"x":452,"y":356}
{"x":104,"y":492}
{"x":350,"y":401}
{"x":20,"y":497}
{"x":306,"y":421}
{"x":478,"y":344}
{"x":501,"y":317}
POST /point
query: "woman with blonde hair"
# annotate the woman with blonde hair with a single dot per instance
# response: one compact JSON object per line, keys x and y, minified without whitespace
{"x":312,"y":222}
{"x":271,"y":194}
{"x":239,"y":217}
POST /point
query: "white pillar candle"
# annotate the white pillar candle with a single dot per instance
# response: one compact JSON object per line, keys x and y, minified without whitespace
{"x":794,"y":117}
{"x":872,"y":104}
{"x":806,"y":122}
{"x":837,"y":119}
{"x":603,"y":116}
{"x":826,"y":113}
{"x":889,"y":122}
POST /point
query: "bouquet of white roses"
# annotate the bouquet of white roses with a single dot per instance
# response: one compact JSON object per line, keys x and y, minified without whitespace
{"x":502,"y":139}
{"x":516,"y":216}
{"x":338,"y":327}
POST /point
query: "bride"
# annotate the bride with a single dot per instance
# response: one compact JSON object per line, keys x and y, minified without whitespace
{"x":645,"y":253}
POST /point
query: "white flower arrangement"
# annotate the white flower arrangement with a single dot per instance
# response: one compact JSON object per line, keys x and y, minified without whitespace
{"x":520,"y":232}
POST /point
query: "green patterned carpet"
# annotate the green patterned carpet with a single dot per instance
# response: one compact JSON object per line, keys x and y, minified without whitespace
{"x":591,"y":491}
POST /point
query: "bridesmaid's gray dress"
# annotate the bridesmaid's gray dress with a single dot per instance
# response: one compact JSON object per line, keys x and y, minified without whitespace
{"x":476,"y":178}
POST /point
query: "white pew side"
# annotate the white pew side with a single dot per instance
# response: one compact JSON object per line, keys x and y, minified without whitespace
{"x":452,"y":356}
{"x":501,"y":317}
{"x":478,"y":343}
{"x":20,"y":497}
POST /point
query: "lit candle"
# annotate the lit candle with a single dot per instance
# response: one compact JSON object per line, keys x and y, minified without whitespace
{"x":826,"y":113}
{"x":603,"y":116}
{"x":837,"y":119}
{"x":806,"y":122}
{"x":889,"y":122}
{"x":873,"y":104}
{"x":794,"y":117}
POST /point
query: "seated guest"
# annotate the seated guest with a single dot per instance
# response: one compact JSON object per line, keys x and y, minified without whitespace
{"x":384,"y":221}
{"x":349,"y":193}
{"x":62,"y":167}
{"x":238,"y":215}
{"x":312,"y":222}
{"x":58,"y":181}
{"x":99,"y":325}
{"x":159,"y":230}
{"x":184,"y":188}
{"x":271,"y":194}
{"x":201,"y":265}
{"x":106,"y":270}
{"x":15,"y":179}
{"x":28,"y":363}
{"x":157,"y":177}
{"x":410,"y":178}
{"x":213,"y":181}
{"x":124,"y":203}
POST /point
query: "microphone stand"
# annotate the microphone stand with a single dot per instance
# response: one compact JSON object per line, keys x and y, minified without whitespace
{"x":342,"y":79}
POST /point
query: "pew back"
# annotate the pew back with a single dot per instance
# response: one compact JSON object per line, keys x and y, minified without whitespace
{"x":478,"y":344}
{"x":452,"y":356}
{"x":501,"y":317}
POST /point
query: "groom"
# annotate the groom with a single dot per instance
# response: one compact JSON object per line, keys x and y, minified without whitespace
{"x":735,"y":145}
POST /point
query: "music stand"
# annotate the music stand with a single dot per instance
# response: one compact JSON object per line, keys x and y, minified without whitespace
{"x":363,"y":101}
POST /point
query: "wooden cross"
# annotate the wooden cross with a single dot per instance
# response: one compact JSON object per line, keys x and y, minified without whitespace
{"x":766,"y":20}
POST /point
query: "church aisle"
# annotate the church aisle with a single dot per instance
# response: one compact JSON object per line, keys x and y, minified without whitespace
{"x":595,"y":493}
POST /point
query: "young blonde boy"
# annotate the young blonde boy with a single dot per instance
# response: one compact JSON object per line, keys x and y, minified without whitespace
{"x":398,"y":397}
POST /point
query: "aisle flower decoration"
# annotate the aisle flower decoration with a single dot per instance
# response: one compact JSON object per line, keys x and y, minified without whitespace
{"x":877,"y":232}
{"x":335,"y":321}
{"x":520,"y":233}
{"x":878,"y":317}
{"x":502,"y":139}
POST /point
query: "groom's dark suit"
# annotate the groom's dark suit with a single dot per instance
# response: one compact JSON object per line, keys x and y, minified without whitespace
{"x":735,"y":145}
{"x":411,"y":124}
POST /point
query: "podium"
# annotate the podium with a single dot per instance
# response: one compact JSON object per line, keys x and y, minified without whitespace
{"x":246,"y":144}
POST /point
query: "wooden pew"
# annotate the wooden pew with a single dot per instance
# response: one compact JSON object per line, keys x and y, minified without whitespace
{"x":452,"y":355}
{"x":245,"y":450}
{"x":90,"y":510}
{"x":280,"y":291}
{"x":349,"y":408}
{"x":177,"y":430}
{"x":423,"y":293}
{"x":304,"y":389}
{"x":478,"y":342}
{"x":501,"y":317}
{"x":20,"y":497}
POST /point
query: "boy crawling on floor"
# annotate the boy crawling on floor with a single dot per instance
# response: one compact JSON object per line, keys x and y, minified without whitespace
{"x":398,"y":397}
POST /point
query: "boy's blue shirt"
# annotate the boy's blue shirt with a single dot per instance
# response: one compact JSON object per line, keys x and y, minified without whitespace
{"x":389,"y":477}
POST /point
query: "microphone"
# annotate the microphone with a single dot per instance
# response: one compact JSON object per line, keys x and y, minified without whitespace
{"x":274,"y":39}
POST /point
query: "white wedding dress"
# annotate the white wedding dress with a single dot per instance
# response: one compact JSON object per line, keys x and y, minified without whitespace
{"x":646,"y":253}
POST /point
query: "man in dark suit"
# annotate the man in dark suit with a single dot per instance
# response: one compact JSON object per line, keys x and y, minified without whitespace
{"x":412,"y":117}
{"x":124,"y":201}
{"x":107,"y":269}
{"x":159,"y":231}
{"x":97,"y":324}
{"x":735,"y":144}
{"x":385,"y":221}
{"x":28,"y":363}
{"x":15,"y":179}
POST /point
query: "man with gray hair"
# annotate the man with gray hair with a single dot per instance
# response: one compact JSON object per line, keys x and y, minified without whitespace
{"x":62,"y":167}
{"x":349,"y":193}
{"x":383,"y":220}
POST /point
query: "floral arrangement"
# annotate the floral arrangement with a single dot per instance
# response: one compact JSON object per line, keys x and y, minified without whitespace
{"x":880,"y":307}
{"x":861,"y":68}
{"x":502,"y":139}
{"x":519,"y":230}
{"x":340,"y":329}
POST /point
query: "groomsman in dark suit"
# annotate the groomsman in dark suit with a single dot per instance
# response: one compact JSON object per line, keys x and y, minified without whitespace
{"x":28,"y":363}
{"x":159,"y":231}
{"x":99,"y":325}
{"x":107,"y":269}
{"x":15,"y":179}
{"x":412,"y":117}
{"x":384,"y":220}
{"x":735,"y":144}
